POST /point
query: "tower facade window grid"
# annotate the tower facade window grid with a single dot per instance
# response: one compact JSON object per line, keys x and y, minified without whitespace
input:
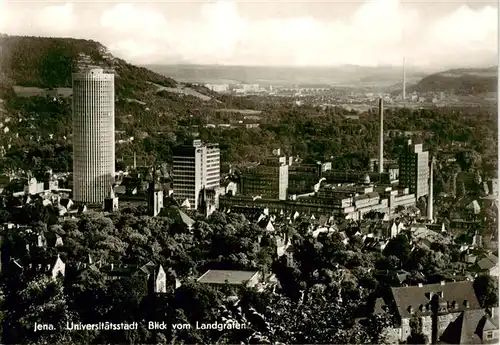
{"x":93,"y":135}
{"x":195,"y":167}
{"x":269,"y":180}
{"x":414,"y":170}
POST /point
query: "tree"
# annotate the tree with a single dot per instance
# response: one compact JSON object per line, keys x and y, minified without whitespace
{"x":486,"y":288}
{"x":428,"y":262}
{"x":128,"y":294}
{"x":4,"y":216}
{"x":289,"y":276}
{"x":320,"y":317}
{"x":399,"y":209}
{"x":416,"y":335}
{"x":388,"y":336}
{"x":374,"y":215}
{"x":197,"y":301}
{"x":378,"y":328}
{"x":468,"y":159}
{"x":417,"y":338}
{"x":88,"y":295}
{"x":477,"y":178}
{"x":44,"y":299}
{"x":400,"y":247}
{"x":462,"y":191}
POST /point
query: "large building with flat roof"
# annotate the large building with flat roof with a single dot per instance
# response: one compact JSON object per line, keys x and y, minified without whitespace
{"x":343,"y":201}
{"x":231,"y":277}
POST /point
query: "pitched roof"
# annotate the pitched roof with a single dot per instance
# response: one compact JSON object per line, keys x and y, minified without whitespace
{"x":226,"y":276}
{"x":492,"y":258}
{"x":468,"y":328}
{"x":488,"y":262}
{"x":266,"y":224}
{"x":120,"y":271}
{"x":474,"y":207}
{"x":323,"y":220}
{"x":65,"y":202}
{"x":379,"y":306}
{"x":361,"y":197}
{"x":186,"y":219}
{"x":401,"y":275}
{"x":419,"y":297}
{"x":179,"y":216}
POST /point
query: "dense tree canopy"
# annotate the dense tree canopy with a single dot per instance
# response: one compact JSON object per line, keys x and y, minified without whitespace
{"x":324,"y":271}
{"x":486,"y":288}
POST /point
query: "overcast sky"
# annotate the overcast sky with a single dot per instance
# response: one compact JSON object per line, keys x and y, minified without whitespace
{"x":304,"y":33}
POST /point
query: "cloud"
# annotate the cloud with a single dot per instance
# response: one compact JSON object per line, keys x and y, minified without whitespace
{"x":127,"y":19}
{"x":378,"y":32}
{"x":131,"y":49}
{"x":57,"y":19}
{"x":2,"y":14}
{"x":467,"y":26}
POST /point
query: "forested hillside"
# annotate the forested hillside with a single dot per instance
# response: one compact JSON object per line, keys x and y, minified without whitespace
{"x":48,"y":62}
{"x":461,"y":81}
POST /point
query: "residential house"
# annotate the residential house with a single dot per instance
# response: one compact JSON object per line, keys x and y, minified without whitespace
{"x":153,"y":275}
{"x":488,"y":264}
{"x":320,"y":230}
{"x":53,"y":268}
{"x":58,"y":269}
{"x":374,"y":243}
{"x":66,"y":203}
{"x":468,"y":256}
{"x":440,"y":309}
{"x":160,"y":281}
{"x":473,"y":207}
{"x":266,"y":224}
{"x":179,"y":216}
{"x":472,"y":327}
{"x":282,"y":244}
{"x":396,"y":228}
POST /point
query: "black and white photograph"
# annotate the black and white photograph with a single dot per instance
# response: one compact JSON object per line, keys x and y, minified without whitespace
{"x":242,"y":172}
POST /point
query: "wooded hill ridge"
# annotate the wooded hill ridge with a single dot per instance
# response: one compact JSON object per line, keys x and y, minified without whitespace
{"x":461,"y":81}
{"x":47,"y":62}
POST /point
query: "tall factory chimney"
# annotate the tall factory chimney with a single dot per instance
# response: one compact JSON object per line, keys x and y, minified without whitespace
{"x":381,"y":143}
{"x":430,"y":199}
{"x":404,"y":79}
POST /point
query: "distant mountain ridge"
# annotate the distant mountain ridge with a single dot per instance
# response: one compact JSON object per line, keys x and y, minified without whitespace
{"x":341,"y":75}
{"x":461,"y":80}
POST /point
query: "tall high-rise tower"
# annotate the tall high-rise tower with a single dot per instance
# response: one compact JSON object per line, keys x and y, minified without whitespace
{"x":93,"y":135}
{"x":381,"y":136}
{"x":404,"y":79}
{"x":430,"y":198}
{"x":414,"y":169}
{"x":196,"y":167}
